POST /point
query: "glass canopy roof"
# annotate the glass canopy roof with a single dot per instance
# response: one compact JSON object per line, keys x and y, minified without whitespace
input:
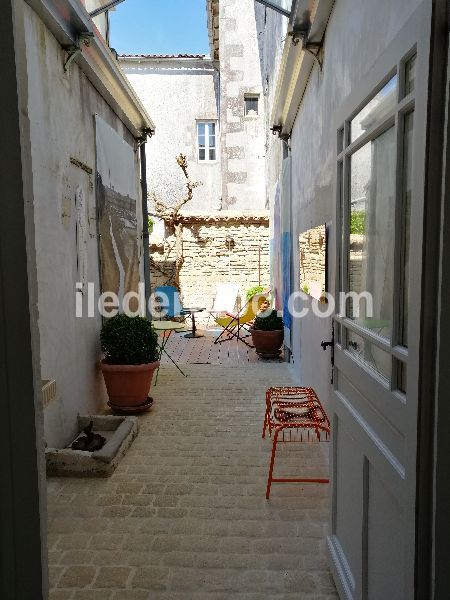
{"x":282,"y":6}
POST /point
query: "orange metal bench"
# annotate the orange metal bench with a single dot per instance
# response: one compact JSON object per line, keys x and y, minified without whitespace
{"x":294,"y":414}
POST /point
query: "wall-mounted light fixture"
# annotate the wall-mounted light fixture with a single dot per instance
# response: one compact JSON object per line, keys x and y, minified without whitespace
{"x":276,"y":130}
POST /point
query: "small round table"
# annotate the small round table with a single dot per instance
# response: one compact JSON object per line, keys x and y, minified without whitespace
{"x":192,"y":312}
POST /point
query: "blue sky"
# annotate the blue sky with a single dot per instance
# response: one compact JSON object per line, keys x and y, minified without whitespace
{"x":160,"y":27}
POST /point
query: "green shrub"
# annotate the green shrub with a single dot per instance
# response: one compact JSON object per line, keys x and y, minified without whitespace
{"x":129,"y":341}
{"x":358,"y":222}
{"x":271,"y":323}
{"x":257,"y":289}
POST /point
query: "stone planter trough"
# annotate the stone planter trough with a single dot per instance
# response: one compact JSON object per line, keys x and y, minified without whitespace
{"x":119,"y":433}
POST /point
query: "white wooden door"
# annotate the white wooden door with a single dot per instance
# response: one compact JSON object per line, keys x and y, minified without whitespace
{"x":380,"y":198}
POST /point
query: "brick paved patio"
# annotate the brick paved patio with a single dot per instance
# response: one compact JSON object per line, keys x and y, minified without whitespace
{"x":185,"y":517}
{"x":203,"y":351}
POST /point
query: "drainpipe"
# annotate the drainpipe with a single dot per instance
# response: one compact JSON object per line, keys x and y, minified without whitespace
{"x":145,"y":232}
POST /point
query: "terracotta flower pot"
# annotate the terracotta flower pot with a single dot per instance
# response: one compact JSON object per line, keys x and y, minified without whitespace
{"x":267,"y":343}
{"x":128,"y":385}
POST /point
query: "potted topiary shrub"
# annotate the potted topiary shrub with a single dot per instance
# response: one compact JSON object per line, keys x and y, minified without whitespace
{"x":268,"y":335}
{"x":130,"y":346}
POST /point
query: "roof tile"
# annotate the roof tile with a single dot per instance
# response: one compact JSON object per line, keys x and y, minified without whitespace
{"x":164,"y":56}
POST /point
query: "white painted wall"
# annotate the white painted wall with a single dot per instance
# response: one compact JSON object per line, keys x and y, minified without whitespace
{"x":177,"y":93}
{"x":61,"y":113}
{"x":357,"y":33}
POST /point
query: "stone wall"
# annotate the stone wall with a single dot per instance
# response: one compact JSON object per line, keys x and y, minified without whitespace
{"x":216,"y":250}
{"x":313,"y":261}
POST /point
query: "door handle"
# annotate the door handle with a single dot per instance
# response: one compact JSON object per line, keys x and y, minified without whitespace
{"x":330,"y":344}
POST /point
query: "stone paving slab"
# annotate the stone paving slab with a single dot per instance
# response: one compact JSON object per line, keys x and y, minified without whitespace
{"x":185,"y":515}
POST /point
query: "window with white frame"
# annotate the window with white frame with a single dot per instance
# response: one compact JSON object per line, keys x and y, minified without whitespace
{"x":206,"y":137}
{"x":251,"y":105}
{"x":375,"y":191}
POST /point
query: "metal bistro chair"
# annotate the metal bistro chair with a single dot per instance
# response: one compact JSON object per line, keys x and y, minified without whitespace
{"x":173,"y":306}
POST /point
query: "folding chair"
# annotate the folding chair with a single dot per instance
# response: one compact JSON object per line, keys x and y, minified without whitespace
{"x":234,"y":324}
{"x":225,"y":299}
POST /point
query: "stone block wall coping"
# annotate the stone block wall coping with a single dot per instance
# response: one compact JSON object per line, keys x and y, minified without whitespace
{"x":225,"y":217}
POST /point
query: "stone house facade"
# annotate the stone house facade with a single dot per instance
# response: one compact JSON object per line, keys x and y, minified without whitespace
{"x":186,"y":95}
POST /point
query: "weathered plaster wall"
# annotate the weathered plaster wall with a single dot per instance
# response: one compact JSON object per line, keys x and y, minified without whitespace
{"x":357,"y":33}
{"x":177,"y":93}
{"x":210,"y":259}
{"x":243,"y":138}
{"x":61,"y":112}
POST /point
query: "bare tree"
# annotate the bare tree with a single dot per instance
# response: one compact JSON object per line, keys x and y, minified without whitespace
{"x":170,"y":214}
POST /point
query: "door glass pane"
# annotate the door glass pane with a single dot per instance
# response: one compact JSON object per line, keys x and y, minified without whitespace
{"x":369,"y":355}
{"x":375,"y":110}
{"x":406,"y":209}
{"x":410,"y":75}
{"x":371,"y":243}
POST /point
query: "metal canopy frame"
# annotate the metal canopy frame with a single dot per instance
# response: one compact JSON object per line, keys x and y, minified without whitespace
{"x":70,"y":23}
{"x":273,"y":6}
{"x":103,"y":9}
